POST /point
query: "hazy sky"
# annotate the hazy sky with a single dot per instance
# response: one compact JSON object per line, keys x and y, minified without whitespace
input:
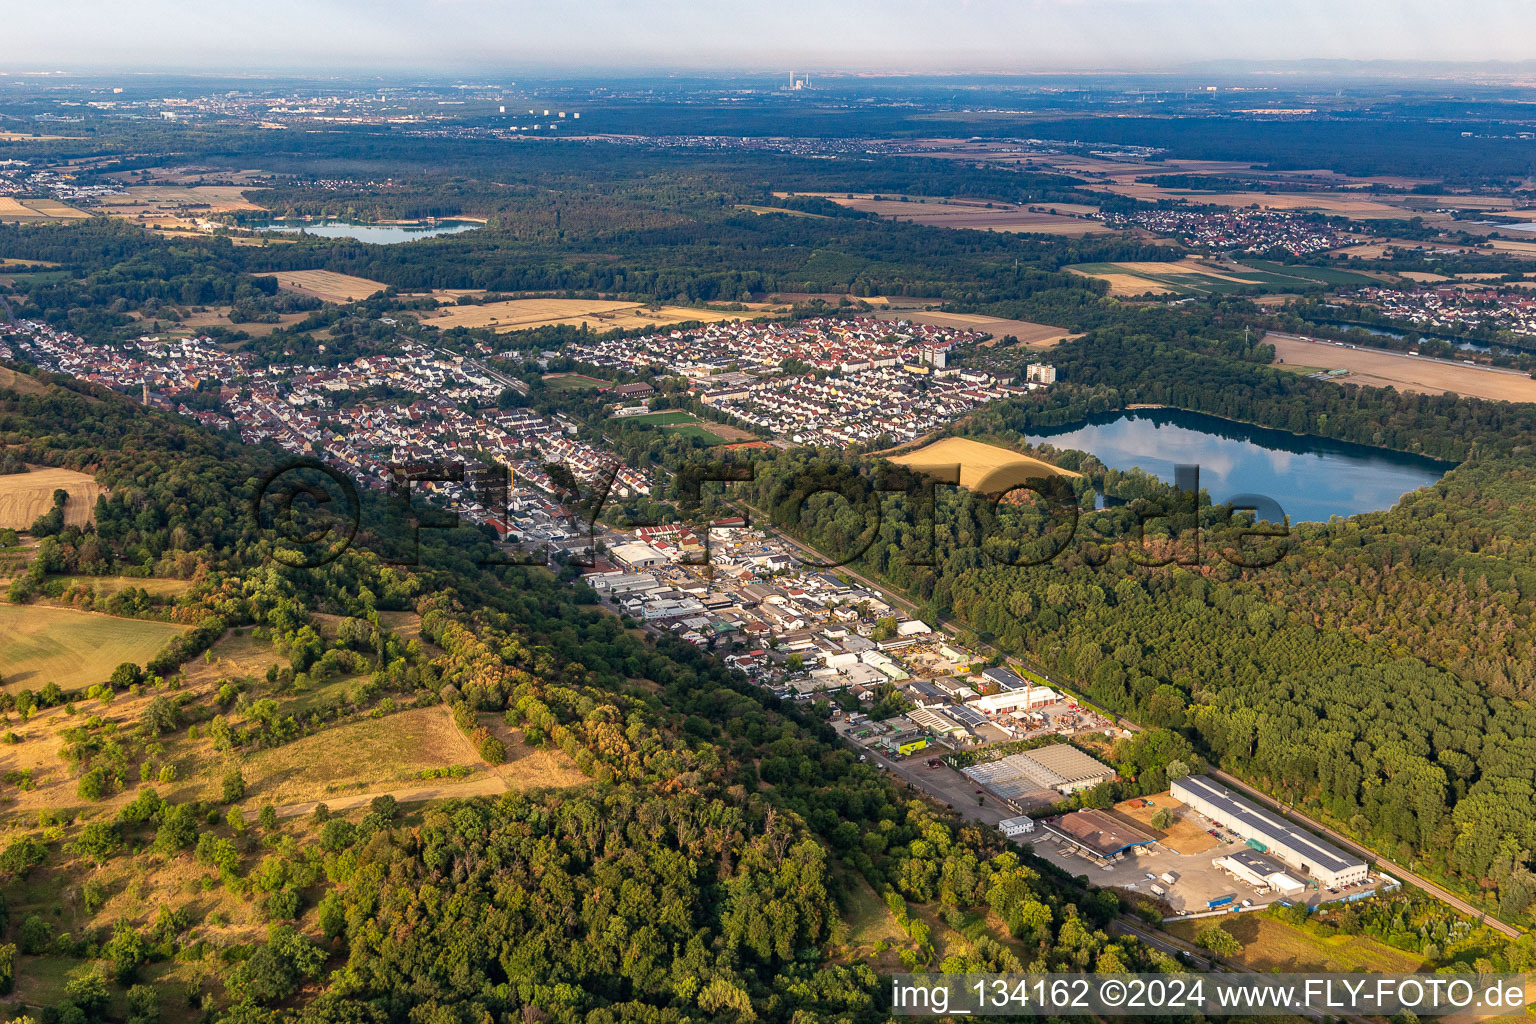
{"x":617,"y":35}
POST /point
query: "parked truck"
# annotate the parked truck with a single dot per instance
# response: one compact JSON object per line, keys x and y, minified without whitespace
{"x":1158,"y":890}
{"x":1221,"y":901}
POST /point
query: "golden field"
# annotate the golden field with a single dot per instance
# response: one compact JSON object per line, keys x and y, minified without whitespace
{"x":598,"y":314}
{"x":327,"y":285}
{"x":41,"y":645}
{"x":1380,"y":368}
{"x":984,"y":468}
{"x":1030,"y":334}
{"x":25,"y":496}
{"x":13,"y":209}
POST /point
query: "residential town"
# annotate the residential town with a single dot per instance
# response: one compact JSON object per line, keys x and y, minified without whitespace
{"x":1250,"y":231}
{"x":1444,"y":307}
{"x":826,"y":381}
{"x":310,"y":410}
{"x":806,"y":633}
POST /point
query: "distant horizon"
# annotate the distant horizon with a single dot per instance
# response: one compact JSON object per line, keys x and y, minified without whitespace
{"x":1380,"y":68}
{"x":601,"y":38}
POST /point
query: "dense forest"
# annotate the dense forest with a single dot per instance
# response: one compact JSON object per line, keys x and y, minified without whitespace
{"x":1376,"y":671}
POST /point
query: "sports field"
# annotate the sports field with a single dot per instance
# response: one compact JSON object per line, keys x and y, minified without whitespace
{"x":985,"y":468}
{"x":574,"y":382}
{"x":40,"y":645}
{"x":1380,"y":368}
{"x":670,"y":418}
{"x":679,"y":422}
{"x":25,"y":496}
{"x":327,"y":285}
{"x":598,"y":314}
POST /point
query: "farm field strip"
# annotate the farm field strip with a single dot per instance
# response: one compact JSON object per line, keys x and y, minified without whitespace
{"x":327,"y":285}
{"x":13,"y":209}
{"x":1028,"y":332}
{"x":977,"y":214}
{"x":598,"y":314}
{"x":1380,"y":368}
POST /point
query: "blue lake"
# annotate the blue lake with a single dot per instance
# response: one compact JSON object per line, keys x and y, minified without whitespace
{"x":377,"y":234}
{"x":1310,"y":478}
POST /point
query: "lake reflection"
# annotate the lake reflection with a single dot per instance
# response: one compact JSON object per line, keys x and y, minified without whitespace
{"x":1311,"y":478}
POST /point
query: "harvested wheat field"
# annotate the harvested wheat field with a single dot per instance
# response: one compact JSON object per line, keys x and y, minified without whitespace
{"x":1380,"y":368}
{"x":1510,"y":246}
{"x":327,"y":285}
{"x":25,"y":496}
{"x":1029,"y":333}
{"x":24,"y":137}
{"x":12,"y":209}
{"x":598,"y":314}
{"x":1127,"y":285}
{"x":984,"y":468}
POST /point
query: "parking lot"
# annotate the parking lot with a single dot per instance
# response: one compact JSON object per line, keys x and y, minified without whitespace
{"x":1197,"y":878}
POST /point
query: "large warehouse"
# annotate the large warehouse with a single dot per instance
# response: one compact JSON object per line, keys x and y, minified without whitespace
{"x":1269,"y":833}
{"x":1058,"y":766}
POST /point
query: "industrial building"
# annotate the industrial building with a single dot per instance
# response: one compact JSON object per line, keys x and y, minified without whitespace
{"x":1021,"y":826}
{"x":638,"y":555}
{"x":1025,"y":699}
{"x":1059,"y":766}
{"x":1260,"y":871}
{"x":1269,"y":833}
{"x":1064,"y":768}
{"x":1100,"y":833}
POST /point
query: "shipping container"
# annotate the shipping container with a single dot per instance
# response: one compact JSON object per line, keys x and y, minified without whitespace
{"x":1221,"y":901}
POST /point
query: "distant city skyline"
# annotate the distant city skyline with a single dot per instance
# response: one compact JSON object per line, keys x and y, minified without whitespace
{"x":599,"y":36}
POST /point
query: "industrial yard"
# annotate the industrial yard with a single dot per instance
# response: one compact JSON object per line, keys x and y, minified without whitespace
{"x":1198,"y":865}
